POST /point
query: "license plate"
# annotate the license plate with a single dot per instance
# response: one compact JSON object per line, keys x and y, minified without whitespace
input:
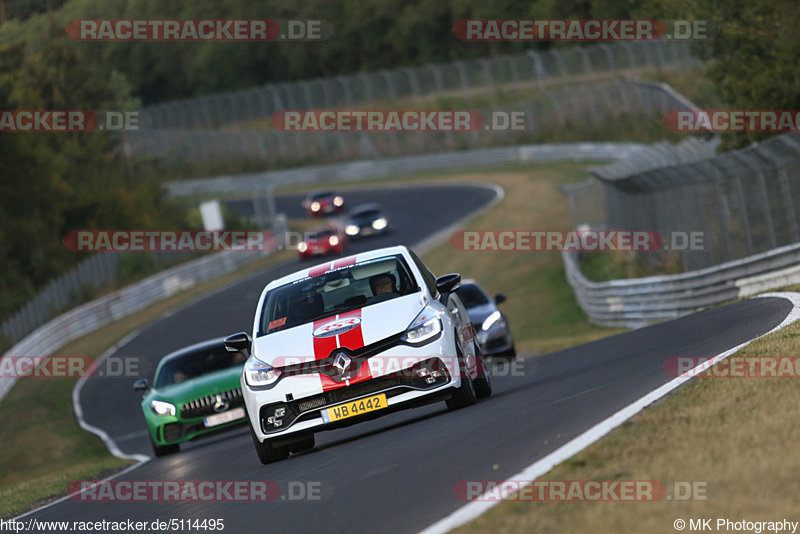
{"x":224,"y":417}
{"x":353,"y":408}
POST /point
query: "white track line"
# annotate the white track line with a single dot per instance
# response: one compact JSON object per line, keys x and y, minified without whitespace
{"x":470,"y":511}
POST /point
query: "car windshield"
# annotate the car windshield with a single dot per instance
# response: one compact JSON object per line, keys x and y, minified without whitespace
{"x":336,"y":291}
{"x":321,"y":234}
{"x":320,"y":196}
{"x":195,"y":364}
{"x":471,"y":296}
{"x":367,"y":214}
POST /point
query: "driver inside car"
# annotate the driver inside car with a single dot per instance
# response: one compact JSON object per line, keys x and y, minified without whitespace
{"x":382,"y":286}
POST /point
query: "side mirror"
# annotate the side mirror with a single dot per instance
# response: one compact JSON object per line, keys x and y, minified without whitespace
{"x":448,"y":283}
{"x":141,"y":385}
{"x":499,"y":298}
{"x":240,"y":342}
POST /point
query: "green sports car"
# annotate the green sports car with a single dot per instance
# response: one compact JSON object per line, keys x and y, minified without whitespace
{"x":196,"y":390}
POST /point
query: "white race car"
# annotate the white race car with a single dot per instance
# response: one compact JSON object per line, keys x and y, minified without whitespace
{"x":354,"y":339}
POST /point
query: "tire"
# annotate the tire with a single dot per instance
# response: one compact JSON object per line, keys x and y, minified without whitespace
{"x":511,"y":353}
{"x":483,"y":384}
{"x":465,"y":395}
{"x":302,"y":444}
{"x":164,"y":450}
{"x":268,"y":453}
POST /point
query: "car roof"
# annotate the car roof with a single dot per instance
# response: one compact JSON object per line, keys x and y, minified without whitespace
{"x":319,"y":231}
{"x":474,"y":283}
{"x":366,"y":207}
{"x":471,"y":281}
{"x":197,"y":347}
{"x":349,"y":260}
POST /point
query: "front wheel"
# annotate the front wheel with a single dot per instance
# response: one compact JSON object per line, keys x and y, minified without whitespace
{"x":483,"y":383}
{"x":465,"y":395}
{"x":164,"y":450}
{"x":302,"y":444}
{"x":267,"y":453}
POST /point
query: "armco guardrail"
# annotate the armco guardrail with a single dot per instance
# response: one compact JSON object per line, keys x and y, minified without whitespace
{"x":382,"y":168}
{"x":639,"y":301}
{"x":95,"y":314}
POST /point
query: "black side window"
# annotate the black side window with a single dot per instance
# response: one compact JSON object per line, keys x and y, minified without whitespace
{"x":427,"y":275}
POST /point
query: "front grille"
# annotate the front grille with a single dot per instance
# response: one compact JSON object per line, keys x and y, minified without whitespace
{"x":308,"y":407}
{"x":204,"y":406}
{"x":310,"y":404}
{"x":359,"y":357}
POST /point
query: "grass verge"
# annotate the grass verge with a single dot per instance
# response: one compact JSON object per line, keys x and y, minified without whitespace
{"x":734,"y":434}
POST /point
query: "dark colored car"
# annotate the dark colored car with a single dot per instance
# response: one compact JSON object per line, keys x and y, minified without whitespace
{"x":322,"y":242}
{"x":196,"y":390}
{"x":319,"y":203}
{"x":366,"y":220}
{"x":489,"y":323}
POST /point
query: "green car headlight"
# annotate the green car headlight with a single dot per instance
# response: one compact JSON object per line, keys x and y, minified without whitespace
{"x":162,"y":408}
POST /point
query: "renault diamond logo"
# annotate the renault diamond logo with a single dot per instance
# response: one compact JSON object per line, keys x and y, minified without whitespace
{"x":220,"y":404}
{"x":341,"y":362}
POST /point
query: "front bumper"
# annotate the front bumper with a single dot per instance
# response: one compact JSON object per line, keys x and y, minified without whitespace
{"x":494,"y":341}
{"x":168,"y":430}
{"x":295,"y":404}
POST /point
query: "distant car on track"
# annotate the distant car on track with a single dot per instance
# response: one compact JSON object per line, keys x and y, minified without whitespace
{"x":319,"y":203}
{"x":195,"y":390}
{"x":321,"y":242}
{"x":354,"y":339}
{"x":366,"y":220}
{"x":488,"y":321}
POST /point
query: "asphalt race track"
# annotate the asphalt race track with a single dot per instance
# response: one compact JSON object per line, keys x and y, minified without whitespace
{"x":396,"y":474}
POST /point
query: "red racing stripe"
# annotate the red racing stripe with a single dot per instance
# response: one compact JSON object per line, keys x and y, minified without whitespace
{"x":323,"y":346}
{"x":344,"y":262}
{"x":325,"y":267}
{"x":320,"y":269}
{"x":353,"y":338}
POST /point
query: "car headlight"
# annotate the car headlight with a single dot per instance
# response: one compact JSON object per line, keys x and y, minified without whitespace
{"x":338,"y":201}
{"x":333,"y":240}
{"x":302,"y":246}
{"x":315,"y":206}
{"x":423,"y":328}
{"x":351,"y":229}
{"x":380,"y":224}
{"x":162,"y":408}
{"x":260,"y":374}
{"x":491,"y":320}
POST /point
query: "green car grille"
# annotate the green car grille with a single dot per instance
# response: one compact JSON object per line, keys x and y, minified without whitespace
{"x":206,"y":405}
